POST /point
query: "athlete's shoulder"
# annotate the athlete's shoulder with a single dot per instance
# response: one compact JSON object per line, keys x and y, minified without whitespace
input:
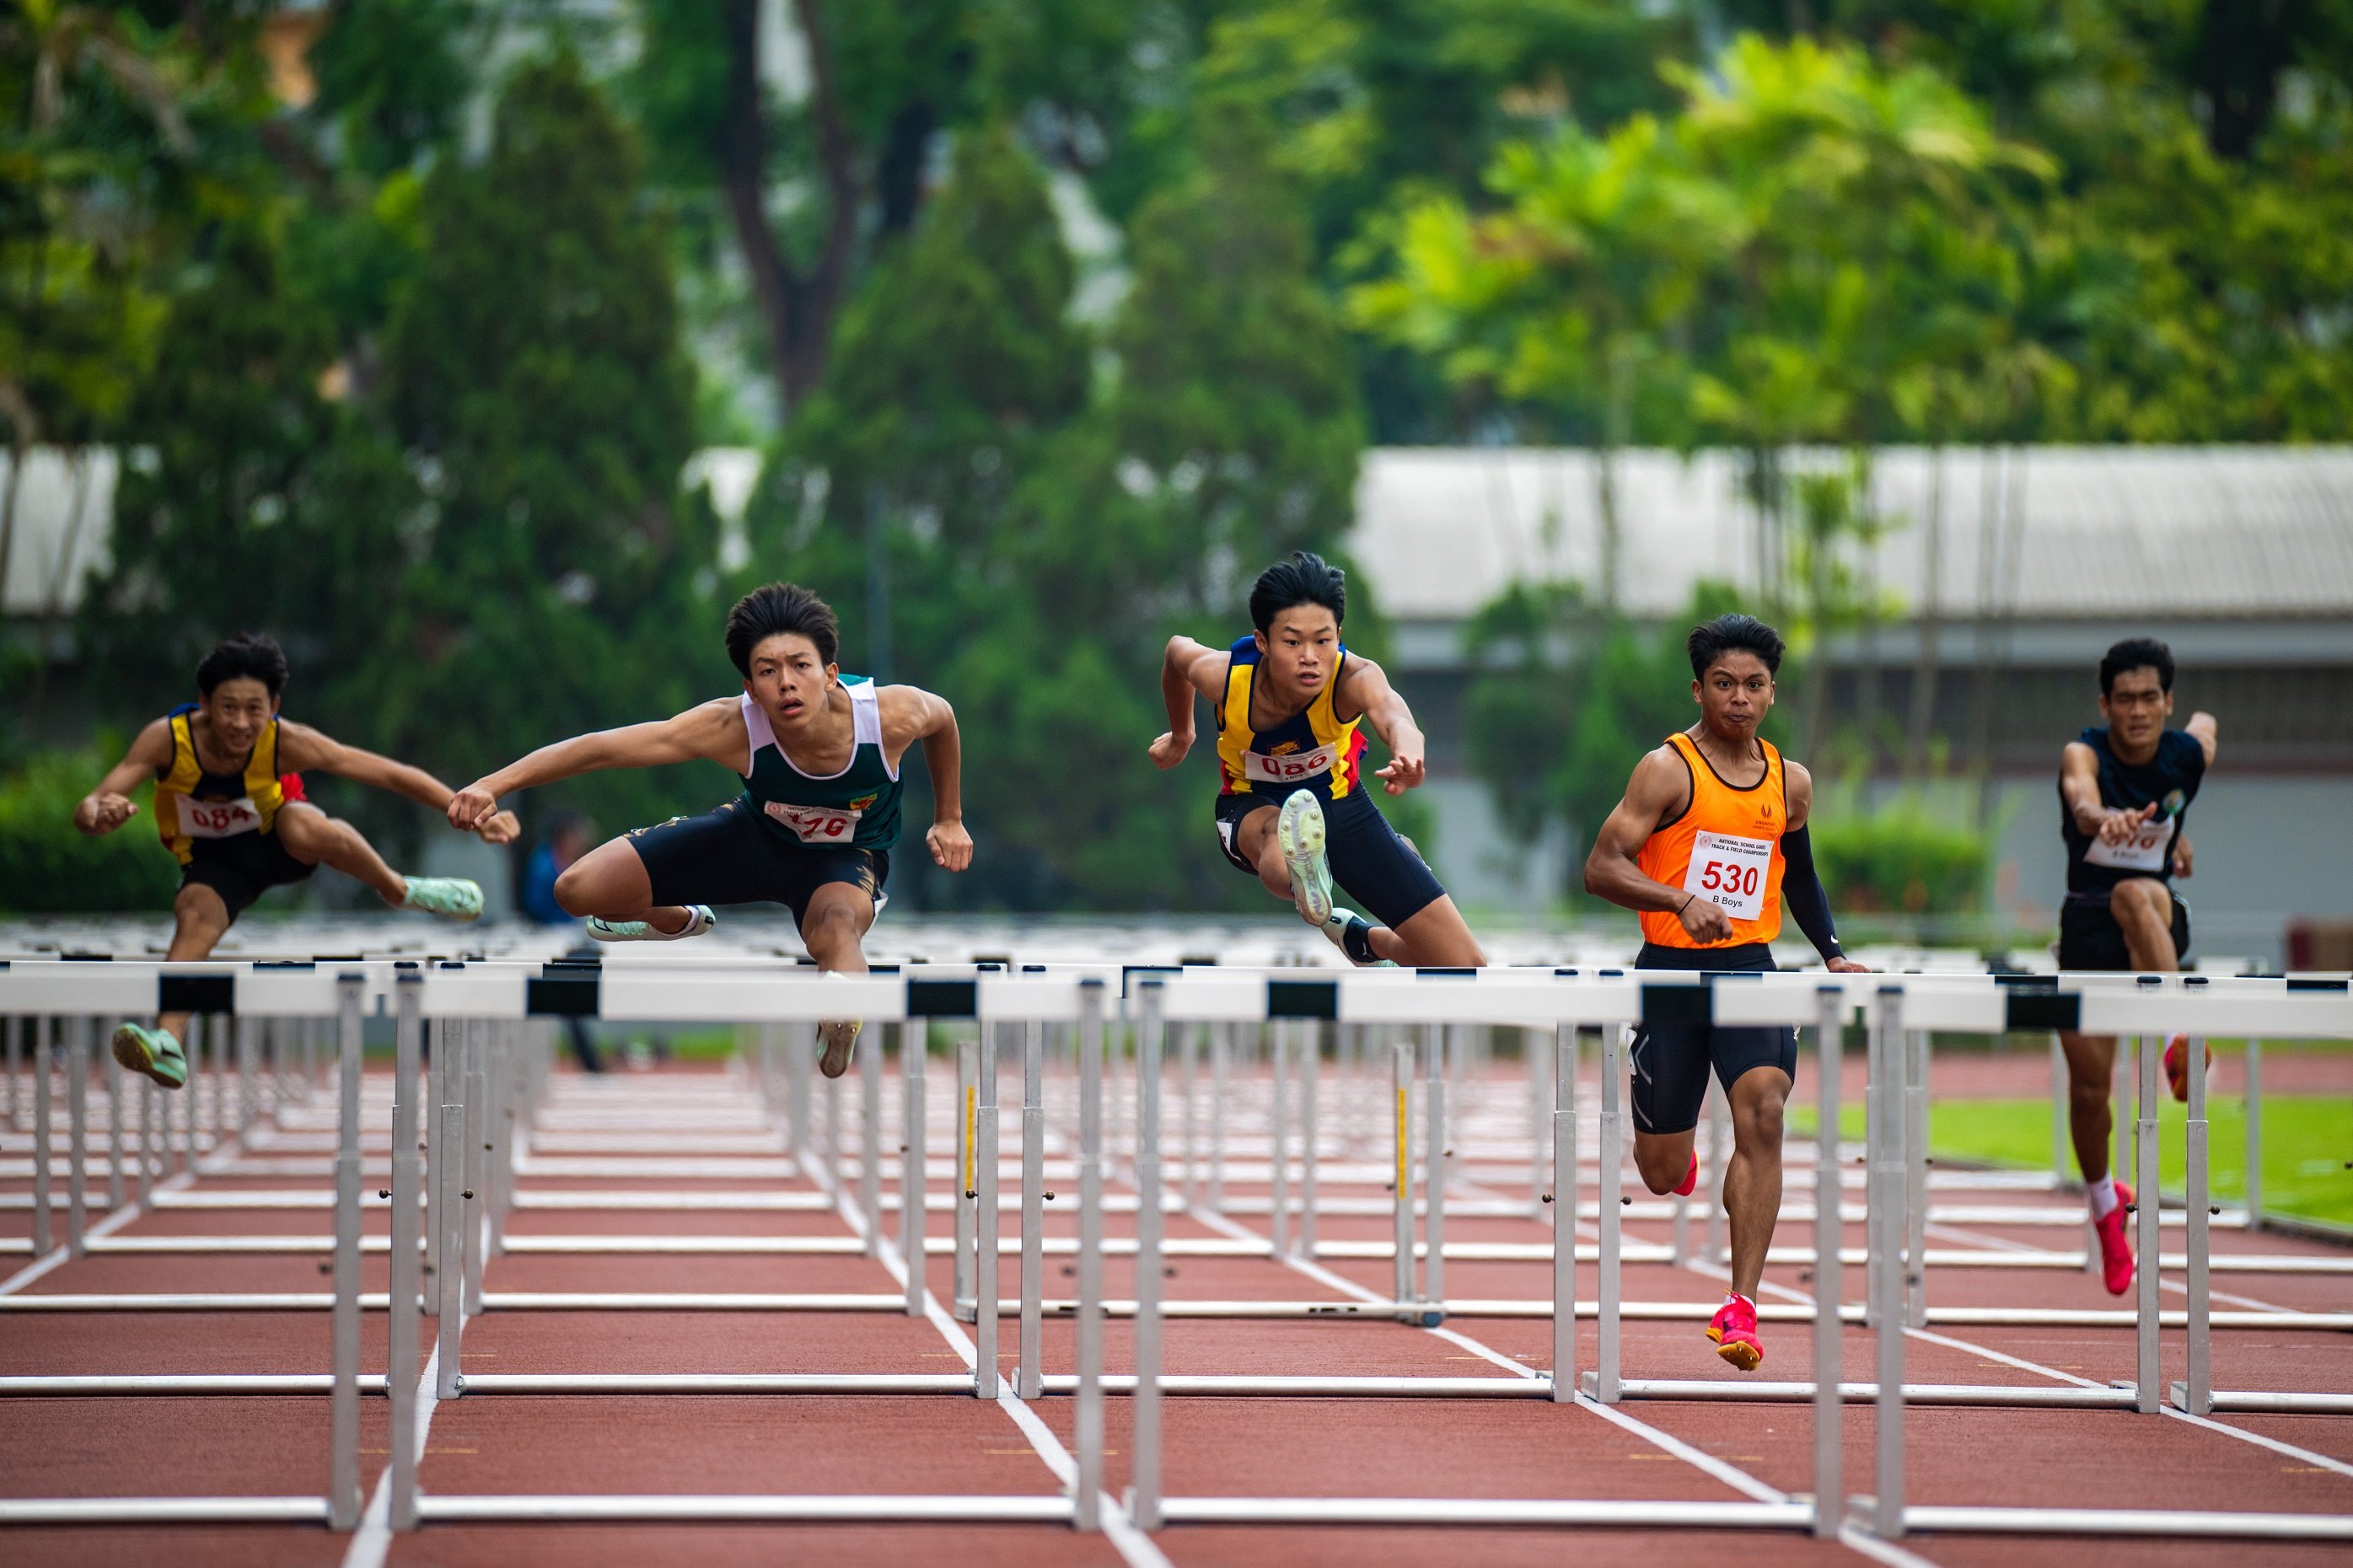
{"x":2183,"y":749}
{"x":1243,"y":649}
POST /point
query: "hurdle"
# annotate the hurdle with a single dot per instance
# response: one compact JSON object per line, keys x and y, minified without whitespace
{"x":489,"y":1080}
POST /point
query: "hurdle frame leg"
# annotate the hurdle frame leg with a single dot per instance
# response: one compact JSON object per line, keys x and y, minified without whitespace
{"x":987,"y":1224}
{"x":2149,"y":1205}
{"x":1089,"y":1418}
{"x":914,"y":1041}
{"x":1563,"y":1199}
{"x":1144,"y":1412}
{"x":408,"y":1179}
{"x":1888,"y":1232}
{"x":343,"y":1479}
{"x":1829,"y":1409}
{"x":1031,"y":1371}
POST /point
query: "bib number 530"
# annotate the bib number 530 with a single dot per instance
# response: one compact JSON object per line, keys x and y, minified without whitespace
{"x":1730,"y":872}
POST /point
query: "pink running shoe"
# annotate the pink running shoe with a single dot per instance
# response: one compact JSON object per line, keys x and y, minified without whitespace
{"x":2116,"y":1250}
{"x":2177,"y":1065}
{"x":1690,"y":1178}
{"x":1733,"y":1329}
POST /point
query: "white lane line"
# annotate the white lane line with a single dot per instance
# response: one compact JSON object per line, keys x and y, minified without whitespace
{"x":1118,"y":1528}
{"x":2319,"y":1461}
{"x":373,"y":1539}
{"x":115,"y":1220}
{"x":1737,"y":1479}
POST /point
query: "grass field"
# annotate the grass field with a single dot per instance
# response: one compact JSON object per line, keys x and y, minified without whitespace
{"x":2307,"y":1140}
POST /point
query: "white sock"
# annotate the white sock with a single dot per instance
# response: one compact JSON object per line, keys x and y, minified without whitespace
{"x":2104,"y":1196}
{"x":1732,"y":1295}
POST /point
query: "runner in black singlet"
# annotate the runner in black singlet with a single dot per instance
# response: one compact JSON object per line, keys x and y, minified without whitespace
{"x":2123,"y":790}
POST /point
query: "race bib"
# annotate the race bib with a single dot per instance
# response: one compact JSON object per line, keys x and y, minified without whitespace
{"x":817,"y":824}
{"x":2146,"y":850}
{"x":1729,"y":871}
{"x":218,"y":818}
{"x":1291,"y":768}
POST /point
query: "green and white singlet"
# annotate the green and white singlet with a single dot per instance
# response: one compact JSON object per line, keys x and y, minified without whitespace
{"x":857,"y":807}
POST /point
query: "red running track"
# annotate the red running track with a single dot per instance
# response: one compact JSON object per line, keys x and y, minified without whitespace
{"x":1272,"y":1446}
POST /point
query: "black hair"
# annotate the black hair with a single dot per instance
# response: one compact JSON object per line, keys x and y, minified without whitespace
{"x":246,"y":654}
{"x":2136,"y":653}
{"x":781,"y":607}
{"x":1711,"y":640}
{"x":1306,"y":578}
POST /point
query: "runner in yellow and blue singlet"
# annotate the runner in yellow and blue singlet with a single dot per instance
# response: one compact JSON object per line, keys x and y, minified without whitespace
{"x":1293,"y":807}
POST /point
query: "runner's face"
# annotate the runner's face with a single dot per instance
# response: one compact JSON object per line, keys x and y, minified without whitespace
{"x":1300,"y":648}
{"x":1734,"y":693}
{"x":236,"y":712}
{"x":789,"y":678}
{"x":2136,"y":707}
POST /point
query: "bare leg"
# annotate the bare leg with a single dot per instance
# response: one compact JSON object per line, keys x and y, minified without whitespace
{"x":611,"y":882}
{"x":1752,"y":1179}
{"x":313,"y":838}
{"x":1254,"y":842}
{"x":199,"y":920}
{"x":837,"y":917}
{"x":1435,"y":936}
{"x":1663,"y":1159}
{"x":2091,"y":1075}
{"x":2143,"y":909}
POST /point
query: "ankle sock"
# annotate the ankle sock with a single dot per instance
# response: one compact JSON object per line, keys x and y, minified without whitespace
{"x":2103,"y":1197}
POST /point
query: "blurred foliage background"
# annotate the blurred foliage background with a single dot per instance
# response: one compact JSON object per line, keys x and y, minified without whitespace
{"x":1054,"y":320}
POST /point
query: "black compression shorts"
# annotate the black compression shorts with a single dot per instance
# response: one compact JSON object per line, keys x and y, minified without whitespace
{"x":2089,"y":937}
{"x":730,"y":857}
{"x":1670,"y":1061}
{"x":1387,"y":880}
{"x":242,"y":867}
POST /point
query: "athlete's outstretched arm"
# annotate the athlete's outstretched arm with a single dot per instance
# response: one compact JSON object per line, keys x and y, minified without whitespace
{"x":2079,"y":784}
{"x":1660,"y":788}
{"x":301,"y":749}
{"x":915,"y":714}
{"x":1367,"y":690}
{"x":109,"y":806}
{"x":2205,"y":730}
{"x":709,"y":732}
{"x":1186,"y":668}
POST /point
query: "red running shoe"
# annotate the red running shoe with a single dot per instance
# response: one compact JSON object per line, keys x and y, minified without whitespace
{"x":2177,"y":1065}
{"x":1690,"y":1178}
{"x":2115,"y":1251}
{"x":1733,"y":1329}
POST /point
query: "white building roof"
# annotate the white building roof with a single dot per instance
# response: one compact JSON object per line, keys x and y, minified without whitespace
{"x":2039,"y":533}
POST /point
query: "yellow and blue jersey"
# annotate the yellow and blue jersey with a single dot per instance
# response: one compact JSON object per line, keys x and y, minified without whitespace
{"x":191,"y":803}
{"x":1309,"y":750}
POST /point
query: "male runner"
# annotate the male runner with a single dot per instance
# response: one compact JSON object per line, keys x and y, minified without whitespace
{"x":2124,"y":788}
{"x":813,"y":829}
{"x":228,"y":802}
{"x":1288,"y":700}
{"x":1708,"y":844}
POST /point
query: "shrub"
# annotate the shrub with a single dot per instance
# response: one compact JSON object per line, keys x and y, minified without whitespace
{"x":48,"y":868}
{"x":1900,"y":860}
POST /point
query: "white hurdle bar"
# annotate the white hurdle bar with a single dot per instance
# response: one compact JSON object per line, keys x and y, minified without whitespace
{"x":463,"y":1001}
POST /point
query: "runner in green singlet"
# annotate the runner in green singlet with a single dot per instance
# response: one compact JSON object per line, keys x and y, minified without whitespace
{"x":818,"y":752}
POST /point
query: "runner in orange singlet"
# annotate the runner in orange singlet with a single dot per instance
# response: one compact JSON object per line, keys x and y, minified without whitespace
{"x":1707,"y":845}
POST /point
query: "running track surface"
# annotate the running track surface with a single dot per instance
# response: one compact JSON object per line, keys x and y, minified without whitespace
{"x":1270,"y":1446}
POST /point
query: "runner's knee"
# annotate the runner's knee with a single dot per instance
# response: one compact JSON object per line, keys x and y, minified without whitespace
{"x":573,"y":893}
{"x":1663,"y":1165}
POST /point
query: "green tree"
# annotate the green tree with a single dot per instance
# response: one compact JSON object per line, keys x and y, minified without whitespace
{"x":556,"y":579}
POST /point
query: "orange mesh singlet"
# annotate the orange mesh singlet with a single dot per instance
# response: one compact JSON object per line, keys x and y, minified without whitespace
{"x":1725,"y":847}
